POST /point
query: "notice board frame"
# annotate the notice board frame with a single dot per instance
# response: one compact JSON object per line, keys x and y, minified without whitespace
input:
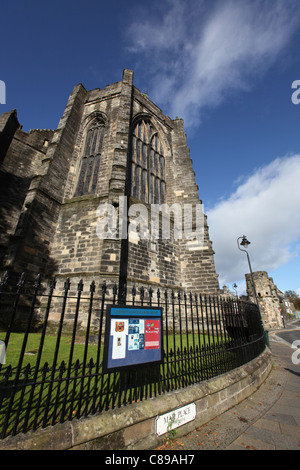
{"x":138,"y":356}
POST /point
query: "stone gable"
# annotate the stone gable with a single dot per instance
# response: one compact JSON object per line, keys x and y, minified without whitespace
{"x":49,"y":229}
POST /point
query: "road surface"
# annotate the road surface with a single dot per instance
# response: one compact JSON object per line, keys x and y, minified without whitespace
{"x":289,"y":335}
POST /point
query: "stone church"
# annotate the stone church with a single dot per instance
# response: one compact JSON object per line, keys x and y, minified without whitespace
{"x":113,"y":149}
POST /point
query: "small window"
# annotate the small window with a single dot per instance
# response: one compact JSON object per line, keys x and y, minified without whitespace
{"x":90,"y":161}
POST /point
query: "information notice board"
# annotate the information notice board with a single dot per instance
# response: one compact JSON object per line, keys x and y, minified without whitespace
{"x":133,"y":337}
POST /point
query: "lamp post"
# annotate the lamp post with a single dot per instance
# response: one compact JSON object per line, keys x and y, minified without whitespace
{"x":245,"y":243}
{"x":235,"y":288}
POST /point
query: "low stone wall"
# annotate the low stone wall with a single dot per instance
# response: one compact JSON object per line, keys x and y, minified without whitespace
{"x":133,"y":427}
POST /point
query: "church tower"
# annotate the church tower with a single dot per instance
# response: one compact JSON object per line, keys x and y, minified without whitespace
{"x":109,"y":195}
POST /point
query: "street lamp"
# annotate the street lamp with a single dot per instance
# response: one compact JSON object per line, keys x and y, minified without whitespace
{"x":245,"y":243}
{"x":235,"y":288}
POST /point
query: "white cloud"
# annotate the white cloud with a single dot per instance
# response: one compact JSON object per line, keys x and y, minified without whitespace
{"x":201,"y":50}
{"x":152,"y":33}
{"x":265,"y":208}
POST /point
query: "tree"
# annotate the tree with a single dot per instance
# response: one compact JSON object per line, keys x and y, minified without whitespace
{"x":290,"y":294}
{"x":294,"y":298}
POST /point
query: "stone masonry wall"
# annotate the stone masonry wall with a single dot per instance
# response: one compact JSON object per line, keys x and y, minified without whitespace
{"x":23,"y":160}
{"x":172,"y":263}
{"x":58,"y":230}
{"x":267,"y":297}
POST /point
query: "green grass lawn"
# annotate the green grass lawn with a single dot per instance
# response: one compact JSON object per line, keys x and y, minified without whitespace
{"x":32,"y":347}
{"x":33,"y":342}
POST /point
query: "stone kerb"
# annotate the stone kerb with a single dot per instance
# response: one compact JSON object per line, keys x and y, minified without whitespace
{"x":133,"y":427}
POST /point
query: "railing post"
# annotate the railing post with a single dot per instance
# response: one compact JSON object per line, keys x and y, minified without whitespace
{"x":67,"y":286}
{"x":79,"y":292}
{"x":87,"y":334}
{"x":104,"y":290}
{"x":40,"y":350}
{"x":19,"y":367}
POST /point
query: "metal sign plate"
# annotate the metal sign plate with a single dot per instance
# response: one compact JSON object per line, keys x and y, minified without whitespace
{"x":174,"y":419}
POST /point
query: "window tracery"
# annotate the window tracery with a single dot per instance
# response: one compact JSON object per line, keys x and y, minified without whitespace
{"x":147,"y":164}
{"x":90,"y":161}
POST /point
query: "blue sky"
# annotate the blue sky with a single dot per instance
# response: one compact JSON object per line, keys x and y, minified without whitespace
{"x":225,"y":66}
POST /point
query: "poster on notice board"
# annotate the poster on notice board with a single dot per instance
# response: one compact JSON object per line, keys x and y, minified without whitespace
{"x":133,"y":337}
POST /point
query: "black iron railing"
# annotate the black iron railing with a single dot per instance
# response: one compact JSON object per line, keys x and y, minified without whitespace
{"x":55,"y":342}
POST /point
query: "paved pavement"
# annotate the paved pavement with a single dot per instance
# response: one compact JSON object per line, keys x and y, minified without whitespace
{"x":267,"y":420}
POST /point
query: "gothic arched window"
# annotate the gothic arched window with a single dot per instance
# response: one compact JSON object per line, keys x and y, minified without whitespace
{"x":147,"y":164}
{"x":90,"y":161}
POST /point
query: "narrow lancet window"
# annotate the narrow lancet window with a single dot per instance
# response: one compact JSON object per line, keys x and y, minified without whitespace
{"x":90,"y":161}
